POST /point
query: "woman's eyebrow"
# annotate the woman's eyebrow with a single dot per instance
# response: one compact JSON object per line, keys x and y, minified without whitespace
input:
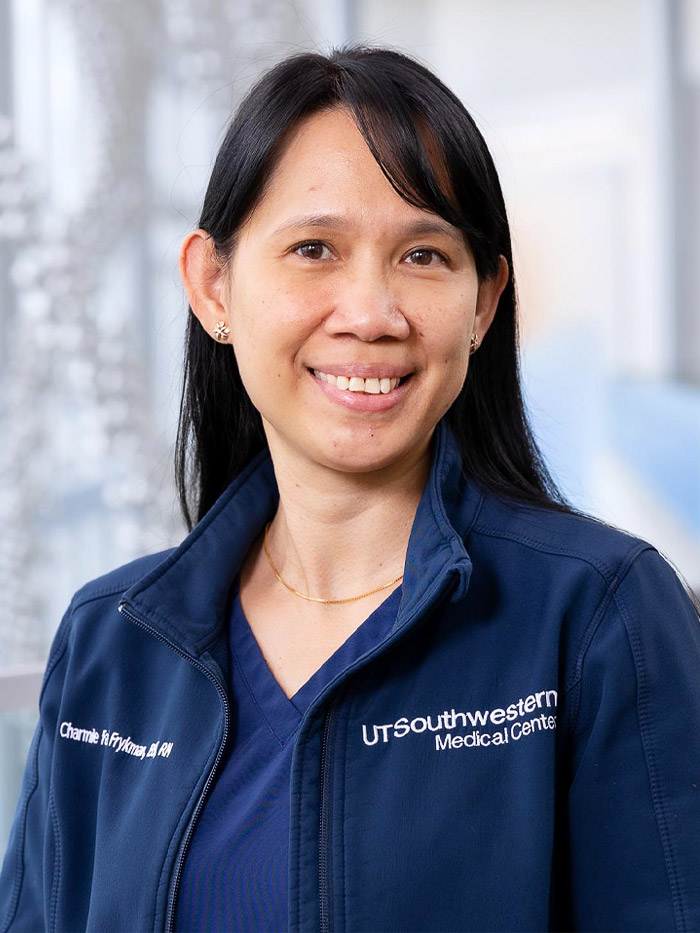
{"x":336,"y":222}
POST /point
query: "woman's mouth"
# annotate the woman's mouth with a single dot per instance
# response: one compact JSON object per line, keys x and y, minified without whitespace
{"x":371,"y":386}
{"x":374,"y":393}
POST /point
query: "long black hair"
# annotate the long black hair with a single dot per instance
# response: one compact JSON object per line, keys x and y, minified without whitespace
{"x":431,"y":151}
{"x":434,"y":156}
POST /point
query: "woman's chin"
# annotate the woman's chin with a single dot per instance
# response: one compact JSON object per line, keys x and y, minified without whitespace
{"x":364,"y":449}
{"x":355,"y":444}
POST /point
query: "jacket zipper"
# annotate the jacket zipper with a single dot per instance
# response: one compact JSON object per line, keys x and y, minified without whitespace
{"x":324,"y":888}
{"x":324,"y":884}
{"x":170,"y":919}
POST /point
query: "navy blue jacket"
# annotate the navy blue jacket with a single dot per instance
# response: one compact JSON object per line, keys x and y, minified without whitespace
{"x":520,"y":752}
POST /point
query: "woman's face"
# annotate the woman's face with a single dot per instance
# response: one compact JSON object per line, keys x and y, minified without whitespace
{"x":335,"y":273}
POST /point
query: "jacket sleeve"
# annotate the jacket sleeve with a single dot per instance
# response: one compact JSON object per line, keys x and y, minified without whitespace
{"x":28,"y":867}
{"x":631,"y":849}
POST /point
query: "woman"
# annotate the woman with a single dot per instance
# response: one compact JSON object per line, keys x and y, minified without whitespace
{"x":389,"y":680}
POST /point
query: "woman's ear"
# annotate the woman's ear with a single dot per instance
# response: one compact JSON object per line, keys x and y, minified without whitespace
{"x":490,"y":291}
{"x":203,"y":278}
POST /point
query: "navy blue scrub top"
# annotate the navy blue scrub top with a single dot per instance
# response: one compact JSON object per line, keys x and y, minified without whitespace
{"x":235,"y":871}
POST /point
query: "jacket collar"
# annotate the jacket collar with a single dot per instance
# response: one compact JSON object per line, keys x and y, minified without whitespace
{"x":186,"y":597}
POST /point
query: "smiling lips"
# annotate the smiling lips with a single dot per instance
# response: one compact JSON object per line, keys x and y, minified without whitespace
{"x":368,"y":378}
{"x":371,"y":385}
{"x":378,"y":390}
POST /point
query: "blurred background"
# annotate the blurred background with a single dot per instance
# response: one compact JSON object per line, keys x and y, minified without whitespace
{"x":111,"y":112}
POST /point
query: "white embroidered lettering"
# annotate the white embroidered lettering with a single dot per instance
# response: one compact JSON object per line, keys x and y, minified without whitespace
{"x":450,"y":720}
{"x":115,"y":741}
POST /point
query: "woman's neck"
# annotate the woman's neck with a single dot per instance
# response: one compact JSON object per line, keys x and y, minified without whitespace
{"x":337,"y":534}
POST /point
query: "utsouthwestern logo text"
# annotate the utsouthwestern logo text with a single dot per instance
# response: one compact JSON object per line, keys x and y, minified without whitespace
{"x":115,"y":741}
{"x":511,"y":717}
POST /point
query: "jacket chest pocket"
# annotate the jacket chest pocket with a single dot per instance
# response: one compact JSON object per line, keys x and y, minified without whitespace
{"x":431,"y":822}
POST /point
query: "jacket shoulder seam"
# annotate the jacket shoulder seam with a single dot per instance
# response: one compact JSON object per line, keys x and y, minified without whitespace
{"x":59,"y":651}
{"x":537,"y":545}
{"x":589,"y":635}
{"x":649,"y":743}
{"x":599,"y":614}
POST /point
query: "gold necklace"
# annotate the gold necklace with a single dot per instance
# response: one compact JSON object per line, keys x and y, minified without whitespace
{"x":316,"y":599}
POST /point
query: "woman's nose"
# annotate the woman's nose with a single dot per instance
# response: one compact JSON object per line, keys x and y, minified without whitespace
{"x":366,"y":305}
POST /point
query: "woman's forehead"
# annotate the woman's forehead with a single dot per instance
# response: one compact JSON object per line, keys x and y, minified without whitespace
{"x":323,"y":147}
{"x":326,"y":176}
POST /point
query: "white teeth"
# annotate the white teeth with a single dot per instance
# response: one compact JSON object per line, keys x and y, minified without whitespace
{"x":371,"y":386}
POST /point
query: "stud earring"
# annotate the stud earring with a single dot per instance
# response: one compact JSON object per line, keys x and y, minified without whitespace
{"x":473,"y":344}
{"x":221,"y":331}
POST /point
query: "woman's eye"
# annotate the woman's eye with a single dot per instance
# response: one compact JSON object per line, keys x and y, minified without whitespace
{"x":311,"y":250}
{"x":426,"y":254}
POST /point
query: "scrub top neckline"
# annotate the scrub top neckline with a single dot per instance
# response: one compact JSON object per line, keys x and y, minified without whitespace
{"x":284,"y":713}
